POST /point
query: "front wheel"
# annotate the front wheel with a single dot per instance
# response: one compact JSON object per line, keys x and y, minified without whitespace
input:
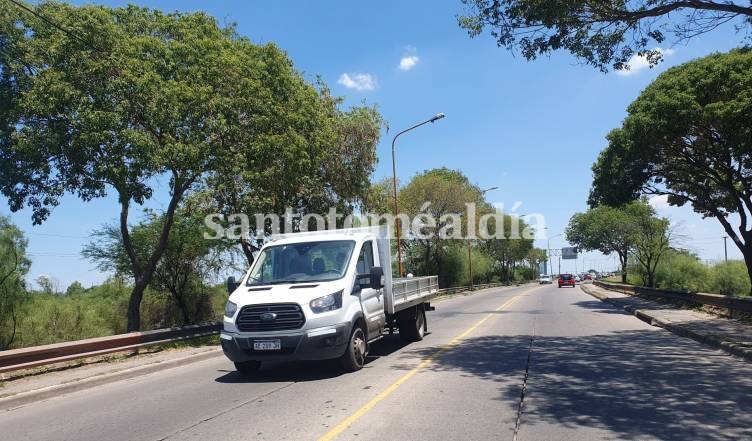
{"x":354,"y":357}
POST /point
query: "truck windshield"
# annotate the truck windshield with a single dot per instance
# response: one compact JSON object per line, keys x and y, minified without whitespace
{"x":301,"y":262}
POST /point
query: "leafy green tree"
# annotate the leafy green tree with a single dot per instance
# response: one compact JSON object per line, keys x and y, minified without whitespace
{"x":604,"y":34}
{"x":130,"y":97}
{"x":609,"y":230}
{"x":75,"y":288}
{"x":13,"y":268}
{"x":309,"y":156}
{"x":379,"y":198}
{"x":688,"y":136}
{"x":188,"y":265}
{"x":441,"y":193}
{"x":652,"y":241}
{"x":511,"y":249}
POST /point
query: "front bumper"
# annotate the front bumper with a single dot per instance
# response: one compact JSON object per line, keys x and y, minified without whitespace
{"x":314,"y":344}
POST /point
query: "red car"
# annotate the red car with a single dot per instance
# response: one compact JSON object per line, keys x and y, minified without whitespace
{"x":588,"y":277}
{"x":566,"y":280}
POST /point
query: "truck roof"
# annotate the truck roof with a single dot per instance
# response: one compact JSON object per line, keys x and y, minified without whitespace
{"x":342,"y":234}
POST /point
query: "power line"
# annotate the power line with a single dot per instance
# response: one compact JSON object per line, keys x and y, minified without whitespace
{"x":52,"y":23}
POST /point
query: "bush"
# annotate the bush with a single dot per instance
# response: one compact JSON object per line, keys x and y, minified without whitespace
{"x":682,"y":271}
{"x":730,"y":278}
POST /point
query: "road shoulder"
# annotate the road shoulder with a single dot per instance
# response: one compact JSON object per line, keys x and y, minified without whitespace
{"x":33,"y":388}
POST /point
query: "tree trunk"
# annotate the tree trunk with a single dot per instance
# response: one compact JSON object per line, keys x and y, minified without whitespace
{"x":134,"y":304}
{"x":182,"y":306}
{"x":143,"y":274}
{"x":247,"y":248}
{"x":623,"y":257}
{"x":747,"y":253}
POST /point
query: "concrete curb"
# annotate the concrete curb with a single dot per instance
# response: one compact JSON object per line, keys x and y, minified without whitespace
{"x":717,"y":342}
{"x":23,"y":398}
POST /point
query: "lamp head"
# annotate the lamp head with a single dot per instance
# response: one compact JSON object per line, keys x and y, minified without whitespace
{"x":437,"y":117}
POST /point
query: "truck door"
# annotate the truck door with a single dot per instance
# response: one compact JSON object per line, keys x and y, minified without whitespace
{"x":371,"y":300}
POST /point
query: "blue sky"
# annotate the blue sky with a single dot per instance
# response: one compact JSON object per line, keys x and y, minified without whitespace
{"x":531,"y":128}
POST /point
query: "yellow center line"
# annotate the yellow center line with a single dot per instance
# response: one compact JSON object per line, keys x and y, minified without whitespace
{"x":347,"y":422}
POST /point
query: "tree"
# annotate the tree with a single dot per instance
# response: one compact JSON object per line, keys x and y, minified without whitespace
{"x":313,"y":157}
{"x":687,"y":137}
{"x":652,"y":241}
{"x":129,"y":97}
{"x":48,"y":285}
{"x":13,"y":268}
{"x":608,"y":230}
{"x":510,"y":249}
{"x":442,"y":194}
{"x":379,"y":199}
{"x":75,"y":288}
{"x":188,"y":264}
{"x":604,"y":34}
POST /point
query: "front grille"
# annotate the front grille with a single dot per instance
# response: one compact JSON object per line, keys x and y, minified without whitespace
{"x":288,"y":316}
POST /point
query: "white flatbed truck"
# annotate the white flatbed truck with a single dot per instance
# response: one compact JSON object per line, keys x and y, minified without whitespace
{"x":322,"y":295}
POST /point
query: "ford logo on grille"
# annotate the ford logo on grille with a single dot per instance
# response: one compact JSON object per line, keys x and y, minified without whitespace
{"x":268,"y":316}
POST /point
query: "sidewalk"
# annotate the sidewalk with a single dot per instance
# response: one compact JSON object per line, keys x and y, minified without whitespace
{"x":729,"y":335}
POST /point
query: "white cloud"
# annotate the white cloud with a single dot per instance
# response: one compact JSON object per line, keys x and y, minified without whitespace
{"x":358,"y":81}
{"x":659,"y":202}
{"x":408,"y":62}
{"x":638,"y":63}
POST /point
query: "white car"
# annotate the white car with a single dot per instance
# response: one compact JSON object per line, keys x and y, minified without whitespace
{"x":544,"y":278}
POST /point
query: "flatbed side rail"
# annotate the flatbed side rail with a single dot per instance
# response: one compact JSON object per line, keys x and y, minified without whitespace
{"x":405,"y":290}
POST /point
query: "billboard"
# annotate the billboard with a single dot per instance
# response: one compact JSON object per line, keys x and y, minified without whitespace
{"x":569,"y":253}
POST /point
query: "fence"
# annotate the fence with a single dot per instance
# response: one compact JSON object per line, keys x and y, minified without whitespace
{"x":733,"y":304}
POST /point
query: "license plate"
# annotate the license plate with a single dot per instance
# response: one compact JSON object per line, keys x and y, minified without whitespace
{"x":267,"y":345}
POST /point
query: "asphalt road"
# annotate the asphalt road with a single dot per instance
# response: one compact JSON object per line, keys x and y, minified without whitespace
{"x":538,"y":363}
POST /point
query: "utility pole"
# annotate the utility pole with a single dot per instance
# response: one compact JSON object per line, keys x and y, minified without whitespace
{"x":725,"y":250}
{"x":470,"y":262}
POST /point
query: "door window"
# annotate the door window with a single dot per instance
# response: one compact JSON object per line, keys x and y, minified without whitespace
{"x":365,"y":259}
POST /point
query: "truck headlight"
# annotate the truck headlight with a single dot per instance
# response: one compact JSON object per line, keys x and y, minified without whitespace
{"x":327,"y":303}
{"x":230,"y":309}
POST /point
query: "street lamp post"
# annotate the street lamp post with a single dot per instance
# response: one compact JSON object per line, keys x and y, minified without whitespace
{"x":435,"y":118}
{"x":470,"y":243}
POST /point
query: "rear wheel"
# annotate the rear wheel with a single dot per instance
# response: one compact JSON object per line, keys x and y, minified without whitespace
{"x":413,"y":328}
{"x":354,"y":357}
{"x":248,"y":368}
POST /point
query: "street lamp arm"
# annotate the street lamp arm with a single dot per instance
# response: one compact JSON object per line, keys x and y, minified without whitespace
{"x":431,"y":120}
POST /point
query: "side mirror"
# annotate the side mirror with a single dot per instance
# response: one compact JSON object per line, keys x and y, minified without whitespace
{"x":232,"y":285}
{"x":377,"y":277}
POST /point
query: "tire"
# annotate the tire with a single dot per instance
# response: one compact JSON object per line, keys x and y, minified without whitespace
{"x":413,"y":329}
{"x":248,"y":368}
{"x":354,"y":357}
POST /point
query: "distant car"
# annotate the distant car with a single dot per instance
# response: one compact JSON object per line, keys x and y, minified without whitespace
{"x":544,"y":279}
{"x":588,"y":277}
{"x":577,"y":279}
{"x":566,"y":280}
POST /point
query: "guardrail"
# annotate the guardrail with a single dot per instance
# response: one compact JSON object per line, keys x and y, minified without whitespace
{"x":733,"y":304}
{"x":25,"y":358}
{"x":456,"y":289}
